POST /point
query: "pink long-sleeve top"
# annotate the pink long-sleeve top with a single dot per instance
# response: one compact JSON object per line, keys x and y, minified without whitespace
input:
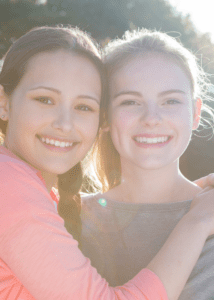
{"x":39,"y":258}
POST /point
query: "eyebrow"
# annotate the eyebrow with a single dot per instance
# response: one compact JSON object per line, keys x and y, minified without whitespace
{"x":46,"y":88}
{"x":127,"y":93}
{"x":138,"y":94}
{"x":88,"y":97}
{"x":171,"y":92}
{"x":59,"y":92}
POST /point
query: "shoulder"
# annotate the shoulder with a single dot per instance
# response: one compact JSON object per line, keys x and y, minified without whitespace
{"x":92,"y":201}
{"x":89,"y":205}
{"x":97,"y":214}
{"x":13,"y":169}
{"x":22,"y":191}
{"x":19,"y":181}
{"x":89,"y":200}
{"x":90,"y":211}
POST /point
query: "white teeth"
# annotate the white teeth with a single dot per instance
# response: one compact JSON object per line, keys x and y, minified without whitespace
{"x":56,"y":143}
{"x":151,"y":140}
{"x":62,"y":144}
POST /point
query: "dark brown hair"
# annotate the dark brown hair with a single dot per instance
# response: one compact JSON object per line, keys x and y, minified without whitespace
{"x":49,"y":39}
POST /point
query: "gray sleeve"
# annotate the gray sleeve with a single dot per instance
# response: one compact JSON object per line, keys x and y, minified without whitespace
{"x":200,"y":285}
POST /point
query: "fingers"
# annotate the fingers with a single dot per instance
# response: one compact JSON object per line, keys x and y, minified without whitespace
{"x":209,"y":188}
{"x":203,"y":182}
{"x":204,"y":196}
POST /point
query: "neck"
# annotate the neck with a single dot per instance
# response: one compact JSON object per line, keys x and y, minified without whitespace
{"x":162,"y":185}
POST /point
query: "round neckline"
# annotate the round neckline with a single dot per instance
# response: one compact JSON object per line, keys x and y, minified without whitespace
{"x":145,"y":207}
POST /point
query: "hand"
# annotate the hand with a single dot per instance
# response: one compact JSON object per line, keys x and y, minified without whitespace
{"x":202,"y":207}
{"x":205,"y":181}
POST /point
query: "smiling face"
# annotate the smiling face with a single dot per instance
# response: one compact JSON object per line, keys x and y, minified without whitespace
{"x":151,"y":112}
{"x":53,"y":115}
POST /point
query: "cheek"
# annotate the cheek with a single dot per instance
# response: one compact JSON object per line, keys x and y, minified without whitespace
{"x":121,"y":128}
{"x":123,"y":120}
{"x":89,"y":127}
{"x":29,"y":117}
{"x":34,"y":123}
{"x":182,"y":127}
{"x":182,"y":118}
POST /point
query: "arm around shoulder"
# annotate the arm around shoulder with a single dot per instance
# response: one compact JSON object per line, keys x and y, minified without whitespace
{"x":40,"y":252}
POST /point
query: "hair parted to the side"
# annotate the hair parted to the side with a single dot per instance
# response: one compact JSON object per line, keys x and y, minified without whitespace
{"x":118,"y":53}
{"x":50,"y":39}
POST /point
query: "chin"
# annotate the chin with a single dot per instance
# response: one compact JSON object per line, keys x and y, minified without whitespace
{"x":57,"y":169}
{"x":151,"y":165}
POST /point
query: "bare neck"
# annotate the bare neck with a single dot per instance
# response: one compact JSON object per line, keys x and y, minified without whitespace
{"x":162,"y":185}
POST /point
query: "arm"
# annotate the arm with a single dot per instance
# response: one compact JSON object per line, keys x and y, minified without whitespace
{"x":174,"y":262}
{"x":44,"y":257}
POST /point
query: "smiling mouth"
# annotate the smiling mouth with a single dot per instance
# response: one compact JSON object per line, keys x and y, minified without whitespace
{"x":56,"y":143}
{"x":150,"y":140}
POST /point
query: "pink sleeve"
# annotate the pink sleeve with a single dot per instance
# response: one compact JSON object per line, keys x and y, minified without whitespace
{"x":43,"y":256}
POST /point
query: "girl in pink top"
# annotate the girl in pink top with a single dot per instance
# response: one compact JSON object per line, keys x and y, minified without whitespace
{"x":51,"y":86}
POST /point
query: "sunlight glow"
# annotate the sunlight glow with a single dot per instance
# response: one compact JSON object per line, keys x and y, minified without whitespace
{"x":202,"y":13}
{"x":41,"y":2}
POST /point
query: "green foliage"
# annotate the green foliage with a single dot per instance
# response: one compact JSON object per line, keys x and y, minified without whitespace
{"x":102,"y":18}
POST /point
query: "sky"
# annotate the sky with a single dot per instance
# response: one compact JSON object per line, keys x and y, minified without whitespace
{"x":201,"y":11}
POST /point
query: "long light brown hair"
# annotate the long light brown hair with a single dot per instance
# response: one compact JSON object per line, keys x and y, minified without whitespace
{"x":105,"y":159}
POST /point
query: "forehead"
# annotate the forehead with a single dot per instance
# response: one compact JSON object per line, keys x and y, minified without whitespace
{"x":59,"y":61}
{"x":152,"y":72}
{"x":63,"y":69}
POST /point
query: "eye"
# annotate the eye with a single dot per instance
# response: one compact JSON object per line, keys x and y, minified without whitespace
{"x":172,"y":101}
{"x":129,"y":102}
{"x":44,"y":100}
{"x":83,"y":107}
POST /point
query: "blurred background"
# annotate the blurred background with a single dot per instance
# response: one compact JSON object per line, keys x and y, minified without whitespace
{"x":189,"y":20}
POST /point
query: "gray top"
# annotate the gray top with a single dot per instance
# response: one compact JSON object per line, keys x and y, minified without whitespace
{"x":122,"y":238}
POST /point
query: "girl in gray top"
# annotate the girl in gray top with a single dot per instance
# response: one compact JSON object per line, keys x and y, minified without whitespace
{"x":155,"y":101}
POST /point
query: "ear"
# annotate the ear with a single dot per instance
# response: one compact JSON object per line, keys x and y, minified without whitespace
{"x":4,"y":104}
{"x":197,"y":114}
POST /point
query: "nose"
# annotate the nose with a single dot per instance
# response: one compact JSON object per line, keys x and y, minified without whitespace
{"x":64,"y":120}
{"x":152,"y":115}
